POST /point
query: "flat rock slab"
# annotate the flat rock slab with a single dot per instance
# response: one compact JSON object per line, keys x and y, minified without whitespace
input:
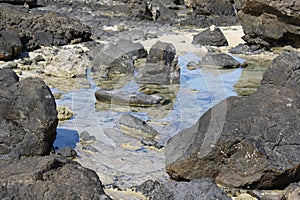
{"x":130,"y":99}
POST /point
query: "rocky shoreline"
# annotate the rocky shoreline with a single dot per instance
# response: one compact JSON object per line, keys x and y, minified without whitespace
{"x":244,"y":147}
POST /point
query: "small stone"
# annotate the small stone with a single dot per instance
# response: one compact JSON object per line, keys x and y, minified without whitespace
{"x":85,"y":136}
{"x":64,"y":113}
{"x":67,"y":152}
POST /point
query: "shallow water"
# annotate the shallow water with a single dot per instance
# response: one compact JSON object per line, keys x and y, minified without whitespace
{"x":122,"y":160}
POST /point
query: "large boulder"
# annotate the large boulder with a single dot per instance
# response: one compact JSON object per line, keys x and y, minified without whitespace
{"x":250,"y":142}
{"x":10,"y":45}
{"x":48,"y":177}
{"x":28,"y":116}
{"x":196,"y":189}
{"x":161,"y":66}
{"x":212,"y":36}
{"x":271,"y":23}
{"x":46,"y":29}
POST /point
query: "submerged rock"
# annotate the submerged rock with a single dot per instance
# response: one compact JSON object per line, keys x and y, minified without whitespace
{"x":10,"y":45}
{"x":261,"y":18}
{"x":161,"y":66}
{"x":220,"y":60}
{"x":249,"y":142}
{"x":212,"y":36}
{"x":196,"y":189}
{"x":136,"y":127}
{"x":131,"y":99}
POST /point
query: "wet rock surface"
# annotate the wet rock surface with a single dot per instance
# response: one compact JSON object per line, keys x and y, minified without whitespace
{"x":251,"y":142}
{"x":136,"y":126}
{"x":196,"y":189}
{"x":161,"y":66}
{"x":220,"y":60}
{"x":131,"y":99}
{"x":259,"y":19}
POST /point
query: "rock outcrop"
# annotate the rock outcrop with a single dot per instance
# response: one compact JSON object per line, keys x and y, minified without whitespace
{"x":46,"y":29}
{"x":271,"y":23}
{"x":248,"y":142}
{"x":161,"y":66}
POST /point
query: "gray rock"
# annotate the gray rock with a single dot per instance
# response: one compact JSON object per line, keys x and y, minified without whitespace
{"x":260,"y":18}
{"x":38,"y":28}
{"x":219,"y":59}
{"x":48,"y":177}
{"x":131,"y":99}
{"x":250,"y":142}
{"x":10,"y":45}
{"x":212,"y":37}
{"x":118,"y":58}
{"x":28,"y":116}
{"x":196,"y":189}
{"x":67,"y":152}
{"x":292,"y":192}
{"x":206,"y":7}
{"x":161,"y":66}
{"x":245,"y":49}
{"x":86,"y":137}
{"x":137,"y":127}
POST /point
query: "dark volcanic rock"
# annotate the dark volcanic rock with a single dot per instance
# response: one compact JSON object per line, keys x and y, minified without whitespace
{"x":28,"y":116}
{"x":208,"y":7}
{"x":161,"y":66}
{"x":271,"y":23}
{"x":31,"y":3}
{"x":125,"y":98}
{"x":212,"y":36}
{"x":248,"y":142}
{"x":136,"y":126}
{"x":48,"y":177}
{"x":219,"y":59}
{"x":196,"y":189}
{"x":10,"y":45}
{"x":245,"y":49}
{"x":37,"y":28}
{"x":118,"y":58}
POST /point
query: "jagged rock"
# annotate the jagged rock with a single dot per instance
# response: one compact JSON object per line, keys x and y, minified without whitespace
{"x":219,"y":59}
{"x":28,"y":116}
{"x":36,"y":29}
{"x":118,"y":58}
{"x":136,"y":126}
{"x":67,"y":63}
{"x":10,"y":45}
{"x":250,"y":142}
{"x":196,"y":189}
{"x":212,"y":36}
{"x":161,"y":66}
{"x":245,"y":49}
{"x":48,"y":177}
{"x":125,"y":98}
{"x":261,"y":18}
